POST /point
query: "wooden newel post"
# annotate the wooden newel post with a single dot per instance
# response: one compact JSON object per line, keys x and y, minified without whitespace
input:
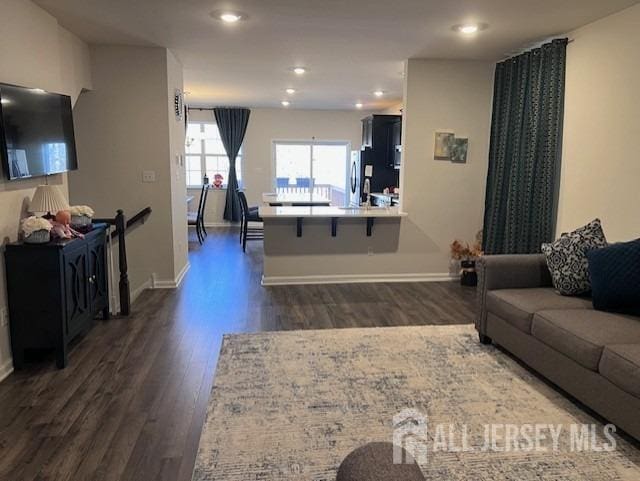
{"x":125,"y":299}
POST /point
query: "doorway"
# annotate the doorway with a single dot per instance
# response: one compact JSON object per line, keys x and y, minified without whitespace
{"x":320,"y":168}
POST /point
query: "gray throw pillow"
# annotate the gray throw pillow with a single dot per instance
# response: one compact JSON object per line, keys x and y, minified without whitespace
{"x":567,"y":258}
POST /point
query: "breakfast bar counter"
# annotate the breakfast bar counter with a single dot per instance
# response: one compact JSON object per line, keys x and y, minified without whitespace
{"x":326,"y":243}
{"x":330,"y":212}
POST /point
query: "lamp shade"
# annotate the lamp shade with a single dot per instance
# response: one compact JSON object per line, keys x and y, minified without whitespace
{"x":48,"y":199}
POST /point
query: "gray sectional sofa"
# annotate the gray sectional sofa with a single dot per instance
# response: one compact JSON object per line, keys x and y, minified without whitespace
{"x":592,"y":355}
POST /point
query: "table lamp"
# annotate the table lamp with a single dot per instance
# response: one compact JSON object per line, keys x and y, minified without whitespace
{"x":48,"y":199}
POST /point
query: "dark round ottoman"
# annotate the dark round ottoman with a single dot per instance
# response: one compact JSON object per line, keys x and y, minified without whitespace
{"x":374,"y":462}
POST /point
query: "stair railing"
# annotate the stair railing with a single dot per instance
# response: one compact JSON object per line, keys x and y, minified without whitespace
{"x":121,"y":227}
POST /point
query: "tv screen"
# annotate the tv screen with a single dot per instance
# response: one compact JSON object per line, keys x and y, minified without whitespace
{"x":36,"y":130}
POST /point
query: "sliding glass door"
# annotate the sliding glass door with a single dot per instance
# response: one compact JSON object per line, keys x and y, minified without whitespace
{"x":319,"y":168}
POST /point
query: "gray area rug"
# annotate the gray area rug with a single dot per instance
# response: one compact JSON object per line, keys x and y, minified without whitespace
{"x":291,"y":405}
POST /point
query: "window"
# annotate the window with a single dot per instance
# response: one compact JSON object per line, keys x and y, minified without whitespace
{"x":319,"y":168}
{"x":206,"y":154}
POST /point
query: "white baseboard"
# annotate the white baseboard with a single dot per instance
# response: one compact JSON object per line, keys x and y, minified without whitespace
{"x":5,"y":369}
{"x":182,"y":273}
{"x":170,"y":283}
{"x":357,"y":278}
{"x":221,"y":224}
{"x":218,"y":224}
{"x":139,"y":290}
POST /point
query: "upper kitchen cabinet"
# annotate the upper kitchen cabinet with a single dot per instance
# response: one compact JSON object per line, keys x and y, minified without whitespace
{"x":396,"y":142}
{"x":382,"y":133}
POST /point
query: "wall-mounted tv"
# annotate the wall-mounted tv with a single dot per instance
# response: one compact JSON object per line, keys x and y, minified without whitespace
{"x":36,"y":133}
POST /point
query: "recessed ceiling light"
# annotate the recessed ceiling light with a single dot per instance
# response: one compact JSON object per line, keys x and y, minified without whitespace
{"x":378,"y":93}
{"x":5,"y":101}
{"x":291,"y":91}
{"x":228,"y":16}
{"x":358,"y":105}
{"x":38,"y":91}
{"x":469,"y":28}
{"x":285,"y":103}
{"x":299,"y":70}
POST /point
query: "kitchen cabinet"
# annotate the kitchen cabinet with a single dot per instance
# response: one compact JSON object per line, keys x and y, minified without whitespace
{"x":381,"y":134}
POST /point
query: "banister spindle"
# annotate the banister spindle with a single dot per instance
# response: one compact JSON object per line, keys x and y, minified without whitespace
{"x":125,"y":299}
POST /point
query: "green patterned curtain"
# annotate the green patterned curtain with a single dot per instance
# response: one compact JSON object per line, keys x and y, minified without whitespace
{"x":525,"y":151}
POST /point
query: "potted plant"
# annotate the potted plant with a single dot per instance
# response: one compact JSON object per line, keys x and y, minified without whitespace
{"x":467,"y":255}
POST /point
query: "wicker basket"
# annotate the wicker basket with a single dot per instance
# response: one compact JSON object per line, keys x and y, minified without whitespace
{"x":80,"y":220}
{"x":41,"y":236}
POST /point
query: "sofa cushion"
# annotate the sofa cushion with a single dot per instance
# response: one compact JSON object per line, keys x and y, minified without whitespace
{"x":620,"y":364}
{"x":517,"y":306}
{"x":567,"y":258}
{"x":615,"y":277}
{"x":581,"y":334}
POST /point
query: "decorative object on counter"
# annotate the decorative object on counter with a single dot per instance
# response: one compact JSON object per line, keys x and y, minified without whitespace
{"x":467,"y":255}
{"x":81,"y":216}
{"x":47,"y":199}
{"x":442,"y":147}
{"x":217,"y":181}
{"x":63,"y":217}
{"x":459,"y":148}
{"x":62,"y":228}
{"x":36,"y":230}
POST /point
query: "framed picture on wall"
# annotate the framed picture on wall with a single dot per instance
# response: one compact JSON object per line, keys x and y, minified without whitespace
{"x":458,"y":149}
{"x":442,"y":146}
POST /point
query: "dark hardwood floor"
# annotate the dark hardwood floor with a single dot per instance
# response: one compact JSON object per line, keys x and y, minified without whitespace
{"x":132,"y":402}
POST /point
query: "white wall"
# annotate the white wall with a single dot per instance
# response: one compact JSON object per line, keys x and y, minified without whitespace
{"x":266,"y":125}
{"x":444,"y":200}
{"x":125,"y":126}
{"x":34,"y":52}
{"x":600,"y":160}
{"x":177,"y":169}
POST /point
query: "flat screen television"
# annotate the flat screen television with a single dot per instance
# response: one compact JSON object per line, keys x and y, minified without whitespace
{"x":36,"y":133}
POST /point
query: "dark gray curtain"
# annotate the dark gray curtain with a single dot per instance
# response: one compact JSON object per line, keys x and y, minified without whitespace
{"x":525,"y":151}
{"x":232,"y":123}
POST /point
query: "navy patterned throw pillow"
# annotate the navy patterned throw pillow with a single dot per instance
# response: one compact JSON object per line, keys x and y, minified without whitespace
{"x":567,"y":258}
{"x":615,"y":277}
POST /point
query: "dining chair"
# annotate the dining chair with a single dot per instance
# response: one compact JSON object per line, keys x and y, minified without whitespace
{"x":248,"y":214}
{"x":197,"y":218}
{"x":203,"y":210}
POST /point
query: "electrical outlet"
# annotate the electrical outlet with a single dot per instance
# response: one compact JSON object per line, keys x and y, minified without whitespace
{"x":148,"y":176}
{"x":4,"y":317}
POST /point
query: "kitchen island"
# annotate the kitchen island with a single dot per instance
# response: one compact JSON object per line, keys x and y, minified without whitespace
{"x":325,"y":243}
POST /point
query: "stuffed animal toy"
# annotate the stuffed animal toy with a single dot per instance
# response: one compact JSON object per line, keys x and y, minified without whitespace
{"x":63,"y":217}
{"x":217,"y":181}
{"x":61,"y":226}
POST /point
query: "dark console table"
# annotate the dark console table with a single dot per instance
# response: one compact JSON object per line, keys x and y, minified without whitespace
{"x":55,"y":291}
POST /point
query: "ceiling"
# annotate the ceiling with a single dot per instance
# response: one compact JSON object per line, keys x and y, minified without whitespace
{"x":350,"y":47}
